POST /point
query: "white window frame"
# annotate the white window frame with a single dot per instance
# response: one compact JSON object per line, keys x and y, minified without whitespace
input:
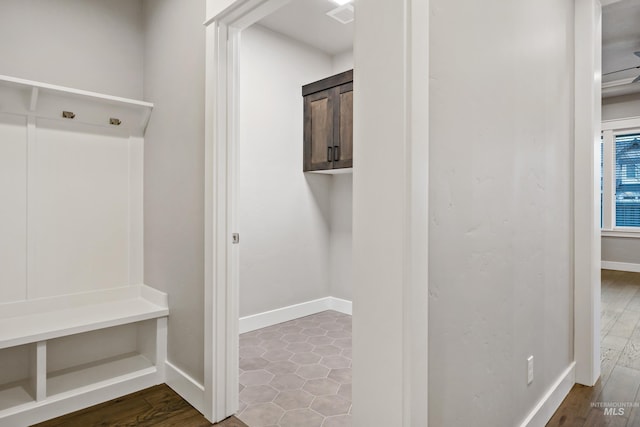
{"x":610,"y":130}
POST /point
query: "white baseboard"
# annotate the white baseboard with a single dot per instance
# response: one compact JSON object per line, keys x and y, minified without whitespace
{"x":340,"y":305}
{"x":620,"y":266}
{"x":188,"y":388}
{"x":552,"y":399}
{"x":284,"y":314}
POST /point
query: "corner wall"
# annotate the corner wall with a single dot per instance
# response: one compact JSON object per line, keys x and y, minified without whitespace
{"x":341,"y":236}
{"x":284,"y":214}
{"x":174,"y":172}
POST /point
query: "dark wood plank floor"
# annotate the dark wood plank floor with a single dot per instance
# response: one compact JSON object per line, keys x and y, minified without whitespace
{"x":156,"y":406}
{"x":620,"y":355}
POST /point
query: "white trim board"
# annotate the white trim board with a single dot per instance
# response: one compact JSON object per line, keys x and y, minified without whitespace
{"x":284,"y":314}
{"x":547,"y":406}
{"x":620,"y":266}
{"x":183,"y":384}
{"x":586,"y":221}
{"x":74,"y":400}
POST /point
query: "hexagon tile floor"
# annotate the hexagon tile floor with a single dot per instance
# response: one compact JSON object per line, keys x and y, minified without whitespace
{"x":297,"y":373}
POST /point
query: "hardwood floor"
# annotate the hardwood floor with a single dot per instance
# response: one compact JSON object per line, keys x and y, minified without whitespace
{"x":156,"y":406}
{"x":620,"y":347}
{"x":619,"y":381}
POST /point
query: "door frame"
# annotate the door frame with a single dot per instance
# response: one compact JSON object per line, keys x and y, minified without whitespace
{"x":221,"y":305}
{"x":226,"y":19}
{"x":586,"y":188}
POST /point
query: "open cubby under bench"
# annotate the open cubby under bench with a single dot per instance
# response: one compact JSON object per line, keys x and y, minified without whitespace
{"x":66,"y":323}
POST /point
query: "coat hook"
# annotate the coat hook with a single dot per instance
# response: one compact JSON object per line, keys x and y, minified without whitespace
{"x":114,"y":121}
{"x":68,"y":115}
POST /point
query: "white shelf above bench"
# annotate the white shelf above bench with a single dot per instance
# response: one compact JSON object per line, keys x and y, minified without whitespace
{"x":43,"y":100}
{"x":31,"y":321}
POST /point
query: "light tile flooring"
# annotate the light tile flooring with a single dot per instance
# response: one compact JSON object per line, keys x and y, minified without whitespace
{"x":298,"y":373}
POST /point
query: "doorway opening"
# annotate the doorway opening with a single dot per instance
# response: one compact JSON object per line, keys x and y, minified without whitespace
{"x":292,"y":263}
{"x":295,"y":226}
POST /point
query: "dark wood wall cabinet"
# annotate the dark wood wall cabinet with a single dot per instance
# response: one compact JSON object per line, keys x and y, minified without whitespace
{"x":328,"y":123}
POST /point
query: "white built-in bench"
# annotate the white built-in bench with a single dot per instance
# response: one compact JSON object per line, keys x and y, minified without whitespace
{"x":76,"y":327}
{"x":31,"y":325}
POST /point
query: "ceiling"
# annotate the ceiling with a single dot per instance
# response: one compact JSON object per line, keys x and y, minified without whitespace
{"x":620,"y":39}
{"x":306,"y":21}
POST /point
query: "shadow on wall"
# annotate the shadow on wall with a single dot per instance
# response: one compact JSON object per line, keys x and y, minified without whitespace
{"x":319,"y":185}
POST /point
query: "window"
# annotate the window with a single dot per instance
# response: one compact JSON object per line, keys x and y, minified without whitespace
{"x":627,"y":180}
{"x":620,"y":176}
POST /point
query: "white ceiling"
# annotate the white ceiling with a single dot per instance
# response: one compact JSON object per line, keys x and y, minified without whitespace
{"x":620,"y":39}
{"x":306,"y":21}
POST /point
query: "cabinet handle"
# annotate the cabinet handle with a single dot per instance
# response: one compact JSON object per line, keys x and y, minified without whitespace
{"x":336,"y":153}
{"x":329,"y":157}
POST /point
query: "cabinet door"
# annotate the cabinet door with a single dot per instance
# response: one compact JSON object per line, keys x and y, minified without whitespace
{"x":319,"y":119}
{"x":343,"y":132}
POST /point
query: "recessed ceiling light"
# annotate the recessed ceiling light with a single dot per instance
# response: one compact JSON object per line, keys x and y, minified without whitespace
{"x":341,"y":2}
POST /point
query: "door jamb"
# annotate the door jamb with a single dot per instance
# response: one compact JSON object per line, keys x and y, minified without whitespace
{"x":221,"y":164}
{"x":221,"y":130}
{"x":586,"y":233}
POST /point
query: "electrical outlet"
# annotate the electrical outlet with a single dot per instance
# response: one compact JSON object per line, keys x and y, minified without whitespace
{"x":529,"y":370}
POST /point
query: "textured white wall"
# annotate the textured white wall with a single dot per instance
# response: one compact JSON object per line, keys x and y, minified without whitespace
{"x":174,"y":172}
{"x":500,"y":207}
{"x":284,"y":214}
{"x":93,"y":45}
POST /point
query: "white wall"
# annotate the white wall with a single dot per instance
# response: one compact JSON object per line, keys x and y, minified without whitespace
{"x":617,"y":249}
{"x":620,"y":107}
{"x":341,"y":236}
{"x":379,"y":202}
{"x":174,"y":172}
{"x":284,"y":214}
{"x":295,"y":227}
{"x":342,"y":62}
{"x":93,"y":45}
{"x":500,"y":238}
{"x":621,"y":249}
